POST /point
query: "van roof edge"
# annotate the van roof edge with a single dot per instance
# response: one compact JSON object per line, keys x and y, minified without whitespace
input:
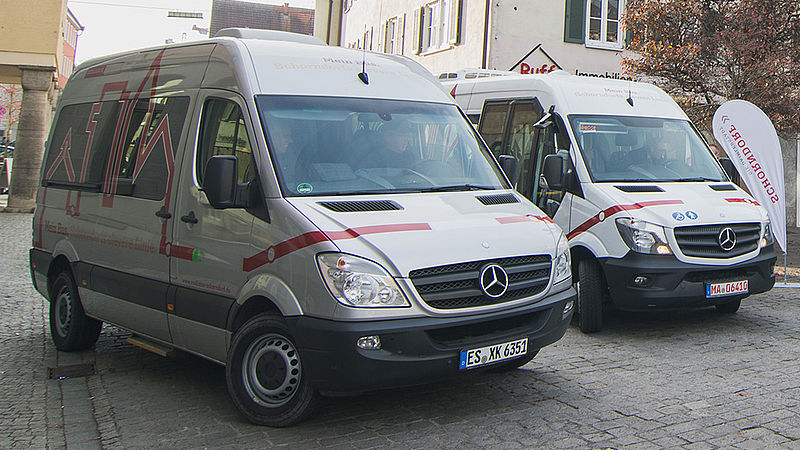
{"x":268,"y":35}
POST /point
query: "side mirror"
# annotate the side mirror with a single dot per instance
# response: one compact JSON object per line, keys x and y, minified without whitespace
{"x":553,"y":171}
{"x":509,"y":164}
{"x":219,"y":181}
{"x":730,"y":169}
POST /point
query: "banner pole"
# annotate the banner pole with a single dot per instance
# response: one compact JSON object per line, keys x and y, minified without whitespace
{"x":785,"y":270}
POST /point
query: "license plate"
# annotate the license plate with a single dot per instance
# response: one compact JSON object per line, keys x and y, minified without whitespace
{"x":486,"y":355}
{"x":726,"y":289}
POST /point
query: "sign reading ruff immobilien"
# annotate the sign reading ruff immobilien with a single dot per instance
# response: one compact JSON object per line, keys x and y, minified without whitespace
{"x":751,"y":142}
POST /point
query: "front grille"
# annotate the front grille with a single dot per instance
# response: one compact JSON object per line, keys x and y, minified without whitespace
{"x":720,"y":276}
{"x":702,"y":240}
{"x":458,"y":285}
{"x":461,"y":335}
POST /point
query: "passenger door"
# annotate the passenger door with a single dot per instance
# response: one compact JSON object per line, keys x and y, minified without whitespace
{"x":210,"y":243}
{"x":133,"y":227}
{"x":509,"y":125}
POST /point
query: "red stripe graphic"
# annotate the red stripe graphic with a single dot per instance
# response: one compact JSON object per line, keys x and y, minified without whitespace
{"x":525,"y":218}
{"x":742,"y":200}
{"x":282,"y":249}
{"x":608,"y":212}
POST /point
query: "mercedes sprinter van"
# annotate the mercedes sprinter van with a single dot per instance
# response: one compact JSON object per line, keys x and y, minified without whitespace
{"x":317,"y":219}
{"x":652,"y":218}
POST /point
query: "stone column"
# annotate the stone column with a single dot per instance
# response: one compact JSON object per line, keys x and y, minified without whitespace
{"x":31,"y":135}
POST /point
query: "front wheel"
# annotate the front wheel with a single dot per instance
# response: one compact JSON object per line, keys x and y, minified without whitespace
{"x":70,"y":327}
{"x":265,"y":374}
{"x":590,"y":296}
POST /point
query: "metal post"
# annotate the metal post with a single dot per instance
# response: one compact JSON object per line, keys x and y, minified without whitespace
{"x":785,"y":269}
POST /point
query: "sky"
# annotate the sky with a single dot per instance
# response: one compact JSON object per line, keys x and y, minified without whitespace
{"x":112,"y":26}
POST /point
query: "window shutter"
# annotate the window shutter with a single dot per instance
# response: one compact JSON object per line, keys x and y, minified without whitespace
{"x":575,"y":21}
{"x":382,"y":44}
{"x":416,"y":31}
{"x":455,"y":22}
{"x":400,"y":35}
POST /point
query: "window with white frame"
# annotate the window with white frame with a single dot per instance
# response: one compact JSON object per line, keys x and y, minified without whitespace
{"x":437,"y":26}
{"x":603,"y":23}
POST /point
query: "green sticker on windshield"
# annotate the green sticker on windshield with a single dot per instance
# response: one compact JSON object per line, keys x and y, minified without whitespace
{"x":304,"y":188}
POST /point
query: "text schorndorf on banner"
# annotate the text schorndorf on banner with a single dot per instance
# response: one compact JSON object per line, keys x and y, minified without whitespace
{"x":752,"y":143}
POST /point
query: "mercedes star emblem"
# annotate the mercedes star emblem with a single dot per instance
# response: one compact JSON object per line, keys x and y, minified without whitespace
{"x":726,"y":239}
{"x":494,"y":281}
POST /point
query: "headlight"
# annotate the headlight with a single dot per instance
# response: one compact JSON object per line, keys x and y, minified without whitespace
{"x":563,"y":265}
{"x":768,"y":238}
{"x":643,"y":237}
{"x":355,"y":281}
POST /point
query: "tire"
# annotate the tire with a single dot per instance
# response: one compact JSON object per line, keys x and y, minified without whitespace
{"x":265,"y":374}
{"x":730,"y":307}
{"x":590,"y":296}
{"x":514,"y":363}
{"x":70,"y":328}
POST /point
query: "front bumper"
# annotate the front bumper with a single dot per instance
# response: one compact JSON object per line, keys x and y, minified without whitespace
{"x":676,"y":284}
{"x":419,"y":350}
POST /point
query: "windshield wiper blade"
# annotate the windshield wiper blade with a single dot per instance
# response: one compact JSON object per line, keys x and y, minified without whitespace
{"x":697,"y":179}
{"x":459,"y":187}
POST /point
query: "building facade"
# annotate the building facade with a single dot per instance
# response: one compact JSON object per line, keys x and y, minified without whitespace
{"x":526,"y":36}
{"x":70,"y":30}
{"x":240,"y":14}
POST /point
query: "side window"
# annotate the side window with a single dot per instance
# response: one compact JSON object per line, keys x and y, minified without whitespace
{"x":148,"y":150}
{"x":521,"y":139}
{"x":492,"y":124}
{"x":223,"y":132}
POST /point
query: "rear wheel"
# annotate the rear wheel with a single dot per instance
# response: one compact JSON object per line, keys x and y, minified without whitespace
{"x":590,"y":296}
{"x":70,"y":327}
{"x":730,"y":307}
{"x":514,"y":363}
{"x":265,"y":374}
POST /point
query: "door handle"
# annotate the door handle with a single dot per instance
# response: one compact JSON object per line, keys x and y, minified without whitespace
{"x":163,"y":213}
{"x":190,"y":218}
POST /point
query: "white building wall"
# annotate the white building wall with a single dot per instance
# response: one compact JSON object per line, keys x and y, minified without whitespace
{"x":369,"y":16}
{"x":516,"y":28}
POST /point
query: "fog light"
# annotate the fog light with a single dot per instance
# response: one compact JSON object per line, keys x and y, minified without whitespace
{"x":369,"y":342}
{"x":641,"y":281}
{"x":663,"y":250}
{"x":568,"y":307}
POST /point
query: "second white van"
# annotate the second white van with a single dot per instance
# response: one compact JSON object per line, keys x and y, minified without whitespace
{"x":653,"y":220}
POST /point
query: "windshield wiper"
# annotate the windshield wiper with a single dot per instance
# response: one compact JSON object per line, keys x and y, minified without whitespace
{"x":459,"y":187}
{"x":696,"y":179}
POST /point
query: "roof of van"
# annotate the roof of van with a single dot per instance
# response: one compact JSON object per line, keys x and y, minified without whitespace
{"x":292,"y":65}
{"x":577,"y":94}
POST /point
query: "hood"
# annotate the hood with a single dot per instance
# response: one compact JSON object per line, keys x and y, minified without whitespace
{"x":684,"y":204}
{"x":403,"y":232}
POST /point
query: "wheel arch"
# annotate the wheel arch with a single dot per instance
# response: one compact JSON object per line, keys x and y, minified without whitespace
{"x":243,"y":311}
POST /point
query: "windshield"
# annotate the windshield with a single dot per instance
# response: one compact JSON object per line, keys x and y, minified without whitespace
{"x":341,"y":146}
{"x":643,"y":149}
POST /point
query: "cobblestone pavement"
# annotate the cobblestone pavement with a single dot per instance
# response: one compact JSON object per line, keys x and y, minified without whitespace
{"x":694,"y":379}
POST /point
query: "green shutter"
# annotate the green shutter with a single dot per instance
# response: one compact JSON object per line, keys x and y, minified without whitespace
{"x":575,"y":21}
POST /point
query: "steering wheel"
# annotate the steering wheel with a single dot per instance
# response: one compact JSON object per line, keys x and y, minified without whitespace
{"x":407,"y":178}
